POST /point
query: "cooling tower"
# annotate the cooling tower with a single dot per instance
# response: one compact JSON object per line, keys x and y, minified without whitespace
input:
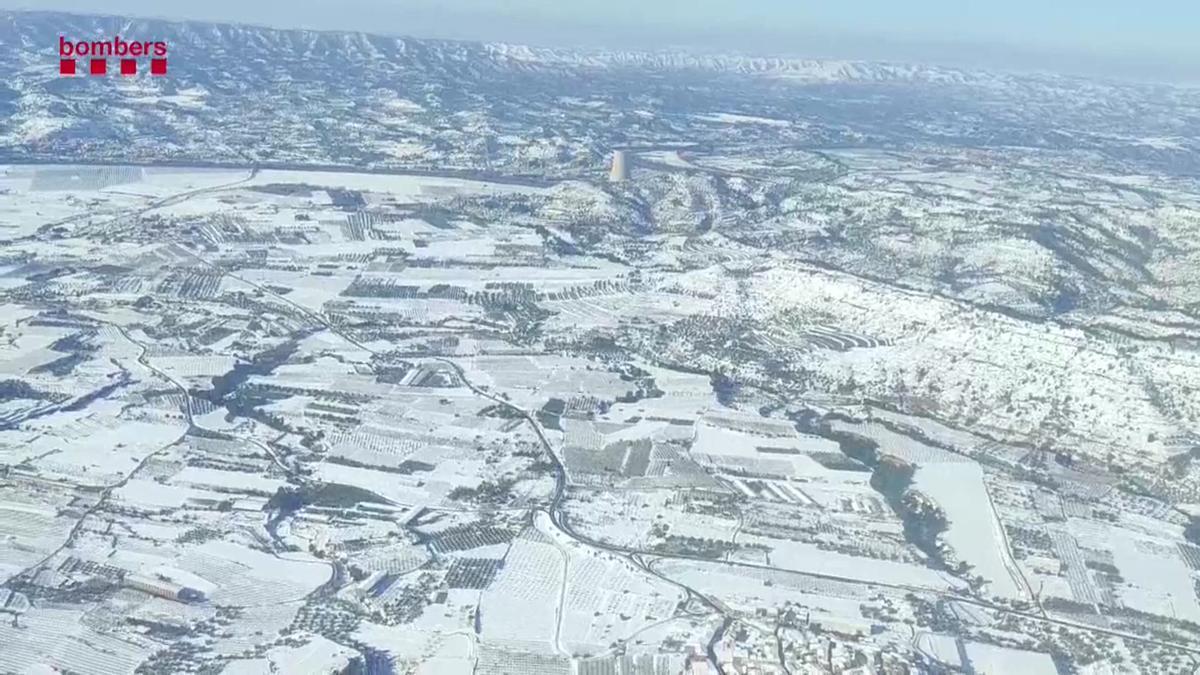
{"x":620,"y":167}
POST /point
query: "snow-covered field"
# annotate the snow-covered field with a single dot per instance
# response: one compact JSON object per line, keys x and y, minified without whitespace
{"x":863,"y":367}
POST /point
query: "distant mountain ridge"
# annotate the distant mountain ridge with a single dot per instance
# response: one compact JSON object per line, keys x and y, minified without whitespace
{"x":239,"y":94}
{"x":811,"y":70}
{"x":38,"y":31}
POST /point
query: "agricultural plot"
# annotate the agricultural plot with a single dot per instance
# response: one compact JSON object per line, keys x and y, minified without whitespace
{"x":755,"y":454}
{"x":611,"y":311}
{"x":58,"y":638}
{"x":802,"y":557}
{"x":606,"y":601}
{"x":973,"y":531}
{"x":28,"y":533}
{"x":100,"y":450}
{"x":518,"y":609}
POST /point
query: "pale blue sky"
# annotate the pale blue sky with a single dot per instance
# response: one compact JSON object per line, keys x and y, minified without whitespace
{"x":1151,"y":38}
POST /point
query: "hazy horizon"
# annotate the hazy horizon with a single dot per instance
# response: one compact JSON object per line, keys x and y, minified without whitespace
{"x":1101,"y":38}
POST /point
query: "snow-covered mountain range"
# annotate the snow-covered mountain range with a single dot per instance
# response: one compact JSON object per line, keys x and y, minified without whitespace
{"x":238,"y":93}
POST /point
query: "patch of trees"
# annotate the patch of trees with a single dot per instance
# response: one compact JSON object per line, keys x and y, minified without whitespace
{"x":725,"y":388}
{"x":61,"y":366}
{"x":1192,"y":531}
{"x":289,"y":499}
{"x":892,"y":477}
{"x":924,"y":522}
{"x":14,"y":389}
{"x":499,"y":411}
{"x":263,"y":364}
{"x":550,"y":413}
{"x":712,"y":549}
{"x":488,"y":492}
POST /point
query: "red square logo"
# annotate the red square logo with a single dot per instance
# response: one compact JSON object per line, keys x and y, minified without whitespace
{"x":66,"y":67}
{"x":99,"y":66}
{"x":158,"y":66}
{"x":129,"y":66}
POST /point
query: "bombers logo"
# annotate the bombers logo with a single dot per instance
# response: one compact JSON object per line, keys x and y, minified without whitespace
{"x":97,"y":53}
